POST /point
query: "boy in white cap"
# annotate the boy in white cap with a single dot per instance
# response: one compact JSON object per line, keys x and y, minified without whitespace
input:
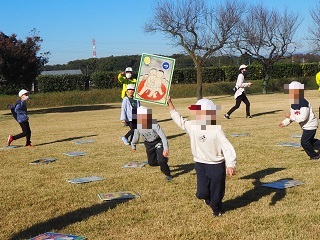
{"x":213,"y":154}
{"x":240,"y":94}
{"x":128,"y":104}
{"x":302,"y":113}
{"x":21,"y":115}
{"x":126,"y":78}
{"x":155,"y":140}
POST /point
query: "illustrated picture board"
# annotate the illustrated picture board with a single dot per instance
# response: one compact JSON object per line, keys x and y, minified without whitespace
{"x":154,"y":79}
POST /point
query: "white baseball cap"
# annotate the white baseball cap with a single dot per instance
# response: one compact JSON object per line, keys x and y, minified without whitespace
{"x":128,"y":69}
{"x":242,"y":66}
{"x":142,"y":110}
{"x":22,"y":92}
{"x":131,"y":87}
{"x":204,"y":104}
{"x":295,"y":85}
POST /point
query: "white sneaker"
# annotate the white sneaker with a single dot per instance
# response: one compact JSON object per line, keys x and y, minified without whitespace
{"x":125,"y":141}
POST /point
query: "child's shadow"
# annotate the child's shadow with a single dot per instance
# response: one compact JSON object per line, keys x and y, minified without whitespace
{"x":257,"y":192}
{"x":182,"y":169}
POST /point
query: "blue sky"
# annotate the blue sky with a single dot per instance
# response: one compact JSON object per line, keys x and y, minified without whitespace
{"x":67,"y":27}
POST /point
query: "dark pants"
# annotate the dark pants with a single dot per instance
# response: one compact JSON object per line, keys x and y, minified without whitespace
{"x":241,"y":98}
{"x":130,"y":132}
{"x":211,"y":183}
{"x":155,"y":156}
{"x":309,"y":143}
{"x":26,"y":132}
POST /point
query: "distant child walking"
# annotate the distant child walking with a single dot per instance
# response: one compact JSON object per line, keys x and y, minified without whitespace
{"x":155,"y":140}
{"x":128,"y":104}
{"x":302,"y":113}
{"x":20,"y":113}
{"x":213,"y":154}
{"x":240,"y":93}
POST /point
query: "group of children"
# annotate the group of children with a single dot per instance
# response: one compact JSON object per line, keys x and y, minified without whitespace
{"x":213,"y":154}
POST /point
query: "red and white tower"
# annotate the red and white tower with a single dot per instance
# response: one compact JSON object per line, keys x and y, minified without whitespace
{"x":94,"y":53}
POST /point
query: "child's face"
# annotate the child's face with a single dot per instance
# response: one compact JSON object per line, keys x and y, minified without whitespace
{"x":130,"y":92}
{"x":209,"y":117}
{"x":25,"y":97}
{"x":295,"y":95}
{"x":145,"y":121}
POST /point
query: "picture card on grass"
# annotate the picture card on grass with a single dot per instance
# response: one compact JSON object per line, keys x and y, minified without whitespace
{"x":118,"y":195}
{"x":57,"y":236}
{"x":11,"y":146}
{"x":74,"y":154}
{"x":239,"y":134}
{"x":283,"y":183}
{"x":289,"y":144}
{"x":134,"y":164}
{"x":84,"y":141}
{"x":43,"y":161}
{"x":154,"y":79}
{"x":85,"y":179}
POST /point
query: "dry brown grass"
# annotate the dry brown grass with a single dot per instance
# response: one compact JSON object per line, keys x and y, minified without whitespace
{"x":36,"y":198}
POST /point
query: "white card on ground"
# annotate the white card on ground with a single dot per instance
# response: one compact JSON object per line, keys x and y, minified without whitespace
{"x":74,"y":154}
{"x":85,"y":179}
{"x":134,"y":164}
{"x":43,"y":161}
{"x":296,"y":136}
{"x":239,"y":134}
{"x":289,"y":144}
{"x":84,"y":141}
{"x":283,"y":183}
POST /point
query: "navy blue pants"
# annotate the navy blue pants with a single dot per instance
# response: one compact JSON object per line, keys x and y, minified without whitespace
{"x":26,"y":132}
{"x":211,"y":183}
{"x":309,"y":143}
{"x":155,"y":156}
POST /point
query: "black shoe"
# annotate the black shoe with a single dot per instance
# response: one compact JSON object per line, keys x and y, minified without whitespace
{"x":315,"y":157}
{"x":217,"y":214}
{"x":169,"y":178}
{"x":226,"y":116}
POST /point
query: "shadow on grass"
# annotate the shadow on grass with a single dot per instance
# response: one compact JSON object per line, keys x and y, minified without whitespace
{"x":265,"y":113}
{"x":176,"y":135}
{"x":257,"y":192}
{"x":69,"y":218}
{"x":70,"y":109}
{"x":164,"y":120}
{"x":65,"y":140}
{"x":182,"y":169}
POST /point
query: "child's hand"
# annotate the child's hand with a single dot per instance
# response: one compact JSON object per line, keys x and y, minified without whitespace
{"x":230,"y":171}
{"x":133,"y":150}
{"x":165,"y":153}
{"x":281,"y":124}
{"x":287,"y":115}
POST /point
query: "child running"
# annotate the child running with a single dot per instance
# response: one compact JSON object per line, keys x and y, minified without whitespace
{"x":21,"y":115}
{"x":213,"y":154}
{"x":155,"y":140}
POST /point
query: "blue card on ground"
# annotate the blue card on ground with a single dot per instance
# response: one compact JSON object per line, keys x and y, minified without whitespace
{"x":289,"y":144}
{"x":283,"y":183}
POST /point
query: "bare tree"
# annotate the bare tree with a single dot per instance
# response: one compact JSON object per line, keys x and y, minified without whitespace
{"x":201,"y":30}
{"x":315,"y":29}
{"x":267,"y":36}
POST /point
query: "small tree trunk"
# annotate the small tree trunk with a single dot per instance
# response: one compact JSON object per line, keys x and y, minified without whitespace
{"x":199,"y":81}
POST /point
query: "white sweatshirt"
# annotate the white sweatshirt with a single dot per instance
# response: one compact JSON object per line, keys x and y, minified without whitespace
{"x":240,"y":85}
{"x":303,"y":114}
{"x":208,"y":146}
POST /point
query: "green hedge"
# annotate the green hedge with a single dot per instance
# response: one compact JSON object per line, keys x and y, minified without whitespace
{"x":60,"y":83}
{"x":108,"y":80}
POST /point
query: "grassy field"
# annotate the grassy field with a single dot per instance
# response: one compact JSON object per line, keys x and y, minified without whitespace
{"x":37,"y":198}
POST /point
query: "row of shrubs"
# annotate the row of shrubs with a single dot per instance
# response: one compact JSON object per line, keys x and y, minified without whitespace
{"x":108,"y":80}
